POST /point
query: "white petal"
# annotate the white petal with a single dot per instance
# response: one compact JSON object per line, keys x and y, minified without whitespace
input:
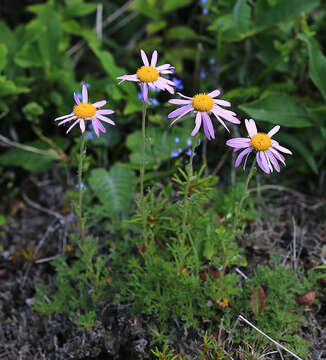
{"x":82,"y":125}
{"x":251,"y":127}
{"x":99,"y":104}
{"x":154,"y":58}
{"x":214,"y":93}
{"x":85,"y":94}
{"x":144,"y":57}
{"x":274,"y":130}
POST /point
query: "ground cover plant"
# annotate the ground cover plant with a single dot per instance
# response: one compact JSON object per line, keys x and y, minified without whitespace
{"x":181,"y":216}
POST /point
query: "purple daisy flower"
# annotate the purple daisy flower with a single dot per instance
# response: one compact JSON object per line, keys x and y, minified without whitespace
{"x":203,"y":105}
{"x":84,"y":111}
{"x":268,"y":150}
{"x":149,"y":75}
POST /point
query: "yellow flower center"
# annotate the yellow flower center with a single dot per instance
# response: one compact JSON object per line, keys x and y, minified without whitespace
{"x":147,"y":74}
{"x":84,"y":110}
{"x":202,"y":102}
{"x":261,"y":142}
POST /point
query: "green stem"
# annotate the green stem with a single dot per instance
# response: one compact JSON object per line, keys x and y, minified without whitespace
{"x":186,"y":200}
{"x":80,"y":200}
{"x":235,"y":221}
{"x":142,"y":172}
{"x":243,"y":197}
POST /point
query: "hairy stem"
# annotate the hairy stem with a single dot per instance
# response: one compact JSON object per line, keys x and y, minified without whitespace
{"x":243,"y":197}
{"x":186,"y":201}
{"x":142,"y":172}
{"x":236,"y":221}
{"x":80,"y":188}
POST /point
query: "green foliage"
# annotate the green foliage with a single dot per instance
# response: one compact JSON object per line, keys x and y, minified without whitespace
{"x":159,"y":145}
{"x":165,"y":353}
{"x":115,"y":189}
{"x":317,"y":63}
{"x":267,"y":57}
{"x":81,"y":282}
{"x":282,"y":315}
{"x":259,"y":51}
{"x":291,"y":113}
{"x":165,"y":282}
{"x":211,"y":349}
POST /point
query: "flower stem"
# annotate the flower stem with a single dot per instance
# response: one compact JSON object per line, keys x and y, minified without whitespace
{"x":186,"y":201}
{"x":243,"y":197}
{"x":235,"y":224}
{"x":80,"y":199}
{"x":142,"y":172}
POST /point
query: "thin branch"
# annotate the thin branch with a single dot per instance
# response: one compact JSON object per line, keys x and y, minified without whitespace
{"x":220,"y":163}
{"x":294,"y":245}
{"x":278,"y":345}
{"x":33,"y":149}
{"x":99,"y":15}
{"x":117,"y":13}
{"x":43,"y":209}
{"x":51,"y":228}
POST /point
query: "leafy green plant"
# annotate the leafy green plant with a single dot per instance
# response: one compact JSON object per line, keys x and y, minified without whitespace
{"x":281,"y":316}
{"x":81,"y":282}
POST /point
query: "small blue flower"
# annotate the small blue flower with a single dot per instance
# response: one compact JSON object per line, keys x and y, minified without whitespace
{"x":174,"y":154}
{"x":89,"y":135}
{"x":189,"y":142}
{"x":176,"y":140}
{"x":79,"y":95}
{"x":203,"y":2}
{"x":177,"y":83}
{"x":188,"y":153}
{"x":82,"y":186}
{"x":222,"y":23}
{"x":179,"y":150}
{"x":155,"y":102}
{"x":202,"y":74}
{"x":157,"y":89}
{"x":140,"y":96}
{"x":212,"y":61}
{"x":205,"y":11}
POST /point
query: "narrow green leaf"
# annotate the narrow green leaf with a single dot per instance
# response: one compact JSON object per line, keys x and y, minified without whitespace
{"x":317,"y":63}
{"x":144,"y":7}
{"x":172,"y":5}
{"x":241,"y":16}
{"x":155,"y":26}
{"x":3,"y":56}
{"x":181,"y":33}
{"x":49,"y":39}
{"x":7,"y":37}
{"x":81,"y":9}
{"x":278,"y":108}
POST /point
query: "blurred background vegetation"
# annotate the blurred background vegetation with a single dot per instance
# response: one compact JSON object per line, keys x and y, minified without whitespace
{"x":265,"y":55}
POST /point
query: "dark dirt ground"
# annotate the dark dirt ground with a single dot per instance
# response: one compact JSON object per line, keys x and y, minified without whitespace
{"x":42,"y":224}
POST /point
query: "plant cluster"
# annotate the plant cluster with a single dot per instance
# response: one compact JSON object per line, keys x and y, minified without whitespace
{"x":171,"y":249}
